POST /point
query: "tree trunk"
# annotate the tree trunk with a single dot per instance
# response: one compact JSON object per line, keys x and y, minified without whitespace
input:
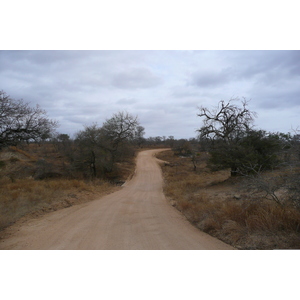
{"x":93,"y":165}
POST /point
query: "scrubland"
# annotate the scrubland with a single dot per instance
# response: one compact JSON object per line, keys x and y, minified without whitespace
{"x":34,"y":181}
{"x":229,"y":208}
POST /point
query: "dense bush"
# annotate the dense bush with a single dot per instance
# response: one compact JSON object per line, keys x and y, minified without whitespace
{"x":256,"y":151}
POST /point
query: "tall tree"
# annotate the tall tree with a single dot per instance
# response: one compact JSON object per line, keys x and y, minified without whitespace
{"x":232,"y":143}
{"x":119,"y":128}
{"x":98,"y":148}
{"x":89,"y":155}
{"x":223,"y":128}
{"x":228,"y":121}
{"x":19,"y":122}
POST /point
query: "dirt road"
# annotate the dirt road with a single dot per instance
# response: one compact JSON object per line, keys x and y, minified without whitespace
{"x":136,"y":217}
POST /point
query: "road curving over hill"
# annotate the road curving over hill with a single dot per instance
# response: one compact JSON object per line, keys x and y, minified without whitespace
{"x":136,"y":217}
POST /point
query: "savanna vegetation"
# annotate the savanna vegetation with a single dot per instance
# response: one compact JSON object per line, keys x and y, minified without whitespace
{"x":42,"y":170}
{"x":237,"y":183}
{"x":232,"y":181}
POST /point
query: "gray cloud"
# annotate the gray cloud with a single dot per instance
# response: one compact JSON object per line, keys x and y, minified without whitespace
{"x":184,"y":92}
{"x":163,"y":88}
{"x":125,"y":101}
{"x":264,"y":66}
{"x":209,"y":79}
{"x":136,"y":78}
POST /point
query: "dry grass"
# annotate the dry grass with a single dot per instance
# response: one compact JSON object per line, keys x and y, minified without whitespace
{"x":22,"y":153}
{"x":25,"y":196}
{"x":219,"y":207}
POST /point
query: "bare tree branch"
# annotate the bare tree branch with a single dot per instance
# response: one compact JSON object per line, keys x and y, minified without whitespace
{"x":227,"y":121}
{"x":20,"y":122}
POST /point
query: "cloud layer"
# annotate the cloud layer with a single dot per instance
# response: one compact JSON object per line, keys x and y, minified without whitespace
{"x":164,"y":88}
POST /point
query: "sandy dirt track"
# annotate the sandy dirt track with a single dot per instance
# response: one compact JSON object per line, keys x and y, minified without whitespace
{"x":136,"y":217}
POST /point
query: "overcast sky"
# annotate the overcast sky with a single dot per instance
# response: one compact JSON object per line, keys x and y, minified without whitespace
{"x":164,"y":88}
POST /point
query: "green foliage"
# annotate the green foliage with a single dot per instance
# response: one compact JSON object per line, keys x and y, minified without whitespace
{"x":227,"y":134}
{"x":256,"y":151}
{"x":182,"y":147}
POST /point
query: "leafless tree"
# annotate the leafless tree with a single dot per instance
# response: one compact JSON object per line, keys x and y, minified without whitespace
{"x":260,"y":183}
{"x":19,"y":122}
{"x":119,"y":127}
{"x":98,"y":148}
{"x":89,"y":154}
{"x":223,"y":128}
{"x":228,"y":121}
